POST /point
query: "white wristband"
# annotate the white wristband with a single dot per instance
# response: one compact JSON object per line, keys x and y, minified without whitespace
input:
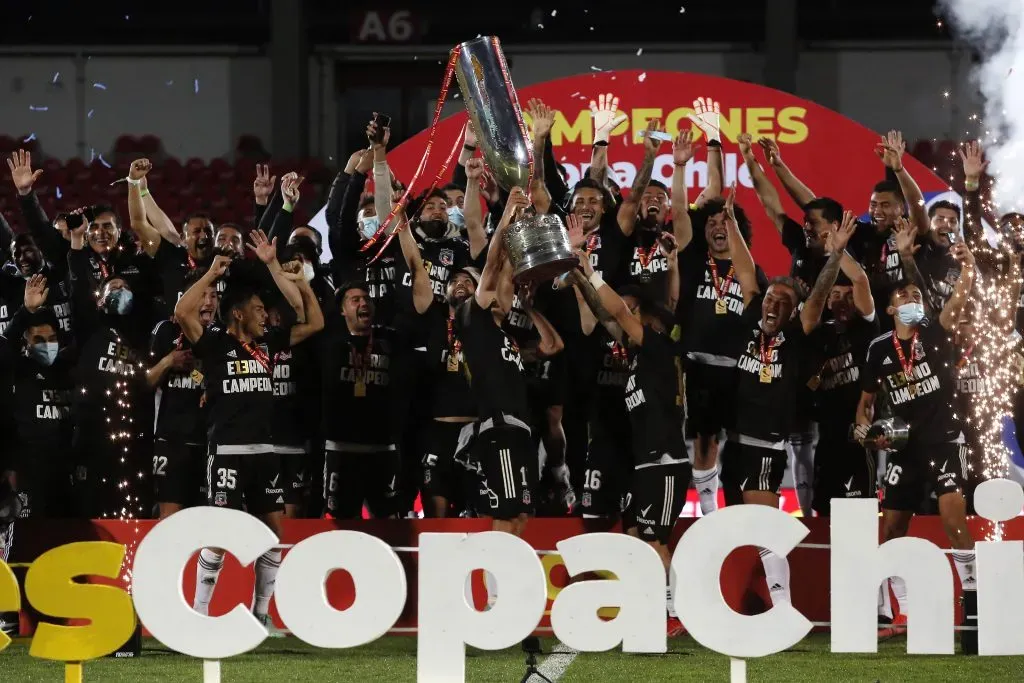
{"x":133,"y":182}
{"x":596,"y":280}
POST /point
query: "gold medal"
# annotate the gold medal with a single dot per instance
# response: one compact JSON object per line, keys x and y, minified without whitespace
{"x":721,"y":308}
{"x":814,"y":382}
{"x":196,"y":376}
{"x":453,"y":362}
{"x":359,"y":388}
{"x":766,"y":374}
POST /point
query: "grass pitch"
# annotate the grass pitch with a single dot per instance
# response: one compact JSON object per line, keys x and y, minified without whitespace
{"x":393,"y":659}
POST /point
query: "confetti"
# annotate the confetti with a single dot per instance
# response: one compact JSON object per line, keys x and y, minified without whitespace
{"x":103,"y":161}
{"x":642,"y":77}
{"x":56,"y":76}
{"x":170,"y":82}
{"x":33,"y":107}
{"x":195,"y":85}
{"x":945,"y":94}
{"x":92,"y":154}
{"x":99,"y":86}
{"x":595,"y":68}
{"x":540,"y":26}
{"x":639,"y":52}
{"x":30,"y":138}
{"x":59,"y":193}
{"x":682,"y":9}
{"x":89,"y":115}
{"x":554,"y":12}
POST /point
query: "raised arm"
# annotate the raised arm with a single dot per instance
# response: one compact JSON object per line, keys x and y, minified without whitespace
{"x":472,"y":210}
{"x":766,"y":192}
{"x":487,"y":290}
{"x":950,"y":316}
{"x":262,"y":188}
{"x":742,"y":261}
{"x":314,"y":316}
{"x":906,"y":245}
{"x":972,"y":156}
{"x":83,"y":297}
{"x":835,"y":245}
{"x":682,"y":151}
{"x":630,"y":324}
{"x":673,"y":282}
{"x":53,"y":245}
{"x":606,"y":115}
{"x":186,"y":311}
{"x":157,"y":218}
{"x":706,"y":116}
{"x":381,"y":174}
{"x":266,"y":251}
{"x":281,"y":226}
{"x":891,"y":150}
{"x":795,"y":188}
{"x":862,"y":299}
{"x":865,"y":415}
{"x":149,"y":237}
{"x":422,"y":295}
{"x":550,"y":341}
{"x":630,"y":205}
{"x":542,"y":117}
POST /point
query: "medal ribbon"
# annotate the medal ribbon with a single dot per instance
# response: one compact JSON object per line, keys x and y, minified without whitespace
{"x":766,"y":353}
{"x":907,"y":365}
{"x":965,"y":358}
{"x":454,"y":345}
{"x":620,"y":354}
{"x":191,"y":261}
{"x":645,"y":257}
{"x":723,"y":288}
{"x":257,"y":355}
{"x":591,"y":243}
{"x":361,"y":361}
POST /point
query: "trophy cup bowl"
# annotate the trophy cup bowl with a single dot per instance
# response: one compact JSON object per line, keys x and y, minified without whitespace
{"x":538,"y":246}
{"x":893,"y":431}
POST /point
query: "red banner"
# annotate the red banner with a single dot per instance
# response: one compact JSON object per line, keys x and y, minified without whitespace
{"x":833,"y":155}
{"x":743,"y":584}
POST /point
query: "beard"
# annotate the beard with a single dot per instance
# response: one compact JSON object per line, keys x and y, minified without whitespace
{"x":433,"y":228}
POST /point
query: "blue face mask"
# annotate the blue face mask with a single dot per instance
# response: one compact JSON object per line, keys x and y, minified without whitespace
{"x":910,"y":314}
{"x":119,"y":301}
{"x":456,"y":218}
{"x":369,"y":226}
{"x":44,"y":353}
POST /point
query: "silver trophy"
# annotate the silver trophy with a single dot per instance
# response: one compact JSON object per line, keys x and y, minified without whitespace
{"x":538,"y":246}
{"x":888,"y":434}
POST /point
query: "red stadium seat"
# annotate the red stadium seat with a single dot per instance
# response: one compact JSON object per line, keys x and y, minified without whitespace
{"x":150,"y":146}
{"x":251,"y":146}
{"x":924,"y":152}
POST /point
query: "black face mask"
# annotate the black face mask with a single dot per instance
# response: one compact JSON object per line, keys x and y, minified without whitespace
{"x":433,"y":228}
{"x":307,"y":248}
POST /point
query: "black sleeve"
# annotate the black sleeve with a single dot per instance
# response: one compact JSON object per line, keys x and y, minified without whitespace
{"x":792,"y":234}
{"x":556,"y":185}
{"x":258,"y":211}
{"x":281,"y":229}
{"x":207,"y":343}
{"x":334,"y":198}
{"x":459,"y":176}
{"x":16,"y":330}
{"x":870,"y":377}
{"x":762,"y":281}
{"x":6,"y":235}
{"x":85,"y":316}
{"x":161,"y":341}
{"x":52,"y":243}
{"x":343,"y":235}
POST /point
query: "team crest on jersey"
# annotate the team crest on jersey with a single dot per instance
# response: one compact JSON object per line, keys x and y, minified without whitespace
{"x":220,"y":498}
{"x":284,"y":355}
{"x":586,"y":500}
{"x":446,"y":257}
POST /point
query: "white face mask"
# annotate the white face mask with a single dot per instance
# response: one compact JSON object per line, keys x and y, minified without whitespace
{"x":456,"y":218}
{"x":910,"y":314}
{"x":308,"y":271}
{"x":368,"y":226}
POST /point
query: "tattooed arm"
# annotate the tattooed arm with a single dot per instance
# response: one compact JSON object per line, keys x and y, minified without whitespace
{"x":628,"y":211}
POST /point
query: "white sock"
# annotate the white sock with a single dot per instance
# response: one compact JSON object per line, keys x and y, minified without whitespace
{"x":776,"y":572}
{"x":207,"y":570}
{"x":492,"y":588}
{"x":668,"y":602}
{"x":963,"y":560}
{"x":899,"y":592}
{"x":884,"y":602}
{"x":266,"y":577}
{"x":801,"y":460}
{"x":705,"y":482}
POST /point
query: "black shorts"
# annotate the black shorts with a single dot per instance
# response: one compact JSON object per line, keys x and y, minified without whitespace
{"x":179,"y":473}
{"x":842,"y":469}
{"x":920,"y":469}
{"x":506,"y":466}
{"x":657,"y":494}
{"x":249,"y":481}
{"x":546,"y":385}
{"x":351,"y":479}
{"x":710,"y":399}
{"x":440,"y":475}
{"x":295,"y":472}
{"x":761,"y":469}
{"x":608,"y":472}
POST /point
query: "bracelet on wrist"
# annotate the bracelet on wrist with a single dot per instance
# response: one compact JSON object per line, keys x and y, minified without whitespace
{"x":972,"y":185}
{"x":596,"y":280}
{"x":145,"y":192}
{"x":600,"y":143}
{"x":715,"y":143}
{"x":287,"y":206}
{"x":133,"y":181}
{"x":469,"y":148}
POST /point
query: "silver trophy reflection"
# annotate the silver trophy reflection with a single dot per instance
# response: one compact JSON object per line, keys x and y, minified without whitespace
{"x":538,"y":246}
{"x":888,"y":434}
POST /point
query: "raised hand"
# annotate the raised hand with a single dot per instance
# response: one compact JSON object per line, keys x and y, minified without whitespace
{"x":730,"y":205}
{"x":353,"y":159}
{"x":669,"y":246}
{"x":651,"y":143}
{"x":972,"y":156}
{"x":489,"y":186}
{"x":22,"y":174}
{"x":263,"y":185}
{"x":606,"y":115}
{"x":265,"y":250}
{"x":543,"y":118}
{"x":516,"y":204}
{"x":365,"y":162}
{"x":36,"y":292}
{"x":839,"y":238}
{"x":683,"y":148}
{"x":962,"y":253}
{"x":574,"y":227}
{"x":706,"y":115}
{"x":906,"y":236}
{"x":290,"y":187}
{"x":469,"y":138}
{"x":745,"y":143}
{"x":890,"y":150}
{"x":371,"y":134}
{"x":219,"y":266}
{"x":474,"y":169}
{"x":771,"y":151}
{"x":585,"y":265}
{"x":139,"y":169}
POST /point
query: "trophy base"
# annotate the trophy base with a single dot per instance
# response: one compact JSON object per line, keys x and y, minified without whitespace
{"x":532,"y":270}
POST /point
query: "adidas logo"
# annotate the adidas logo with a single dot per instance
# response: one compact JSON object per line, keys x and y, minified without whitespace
{"x":40,"y":376}
{"x":969,"y":581}
{"x":704,"y":491}
{"x":280,"y":499}
{"x":776,"y":587}
{"x":887,"y":361}
{"x":648,"y":531}
{"x":232,"y":354}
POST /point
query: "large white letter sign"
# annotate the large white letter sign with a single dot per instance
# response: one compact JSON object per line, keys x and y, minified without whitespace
{"x":1000,"y":573}
{"x":697,"y":562}
{"x":859,"y":565}
{"x":638,"y":592}
{"x":447,"y":623}
{"x":301,"y":594}
{"x":161,"y":560}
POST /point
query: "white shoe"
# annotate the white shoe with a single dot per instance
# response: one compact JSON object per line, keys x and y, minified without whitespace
{"x":268,"y":623}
